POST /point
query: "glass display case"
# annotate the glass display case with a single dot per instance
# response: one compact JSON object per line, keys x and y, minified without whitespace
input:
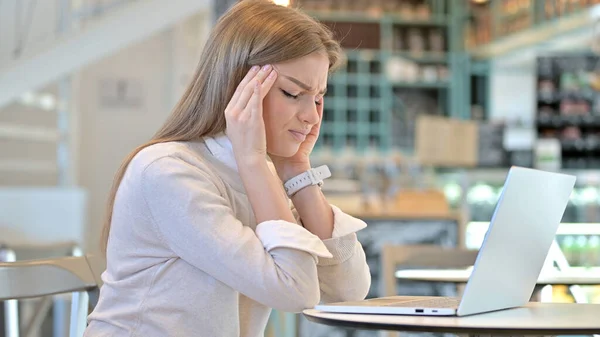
{"x":475,"y":193}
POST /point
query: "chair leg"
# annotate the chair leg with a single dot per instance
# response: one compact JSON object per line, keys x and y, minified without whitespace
{"x":60,"y":315}
{"x":11,"y":318}
{"x":32,"y":328}
{"x":11,"y":307}
{"x":79,"y":312}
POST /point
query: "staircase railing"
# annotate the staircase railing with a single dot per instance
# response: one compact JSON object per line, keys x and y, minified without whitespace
{"x":84,"y":31}
{"x":37,"y":24}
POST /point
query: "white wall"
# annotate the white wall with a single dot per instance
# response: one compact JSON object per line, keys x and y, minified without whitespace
{"x":512,"y":92}
{"x":158,"y":69}
{"x":24,"y":150}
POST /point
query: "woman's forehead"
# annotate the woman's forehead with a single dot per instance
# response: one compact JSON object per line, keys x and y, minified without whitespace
{"x":310,"y":72}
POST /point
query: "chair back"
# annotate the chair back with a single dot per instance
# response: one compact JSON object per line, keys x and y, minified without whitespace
{"x":420,"y":256}
{"x":44,"y":277}
{"x":36,"y":278}
{"x":394,"y":257}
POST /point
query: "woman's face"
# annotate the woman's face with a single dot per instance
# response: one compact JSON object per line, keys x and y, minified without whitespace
{"x":294,"y":103}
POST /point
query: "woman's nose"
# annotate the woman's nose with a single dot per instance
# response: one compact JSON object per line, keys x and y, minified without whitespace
{"x":311,"y":114}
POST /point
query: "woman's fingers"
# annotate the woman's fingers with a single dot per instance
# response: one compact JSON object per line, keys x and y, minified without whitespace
{"x":244,"y":103}
{"x":247,"y":92}
{"x":245,"y":96}
{"x":268,"y":83}
{"x":243,"y":116}
{"x":254,"y":107}
{"x":238,"y":91}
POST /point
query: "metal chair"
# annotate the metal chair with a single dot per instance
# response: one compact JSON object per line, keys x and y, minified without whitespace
{"x":46,"y":277}
{"x":37,"y":310}
{"x":60,"y":216}
{"x":11,"y":307}
{"x":420,"y":256}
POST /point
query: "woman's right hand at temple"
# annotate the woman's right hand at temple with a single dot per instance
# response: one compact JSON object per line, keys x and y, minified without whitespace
{"x":244,"y":115}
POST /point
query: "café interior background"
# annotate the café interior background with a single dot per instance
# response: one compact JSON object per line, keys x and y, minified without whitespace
{"x":436,"y":100}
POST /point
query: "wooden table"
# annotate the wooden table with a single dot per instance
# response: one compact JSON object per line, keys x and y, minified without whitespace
{"x":533,"y":319}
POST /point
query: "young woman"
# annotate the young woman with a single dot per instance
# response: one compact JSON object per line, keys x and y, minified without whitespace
{"x":201,"y":238}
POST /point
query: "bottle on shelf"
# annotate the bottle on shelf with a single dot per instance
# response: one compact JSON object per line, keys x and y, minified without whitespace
{"x":593,"y":251}
{"x":567,"y":246}
{"x":580,"y":253}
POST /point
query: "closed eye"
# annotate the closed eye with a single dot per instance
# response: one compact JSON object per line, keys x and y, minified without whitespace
{"x":287,"y":94}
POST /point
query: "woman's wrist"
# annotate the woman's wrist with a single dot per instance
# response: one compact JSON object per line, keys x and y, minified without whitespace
{"x":288,"y":172}
{"x":264,"y":191}
{"x":250,"y":161}
{"x":252,"y":166}
{"x":314,"y":211}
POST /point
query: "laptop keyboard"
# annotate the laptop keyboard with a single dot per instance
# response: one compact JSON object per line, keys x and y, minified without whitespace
{"x":439,"y":302}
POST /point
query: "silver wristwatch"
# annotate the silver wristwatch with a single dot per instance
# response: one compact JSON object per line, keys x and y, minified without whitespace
{"x":312,"y":177}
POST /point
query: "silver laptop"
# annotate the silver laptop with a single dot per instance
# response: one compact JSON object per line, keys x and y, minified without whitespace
{"x":509,"y":262}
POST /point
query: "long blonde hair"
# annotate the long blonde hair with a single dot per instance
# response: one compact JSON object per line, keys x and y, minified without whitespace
{"x":253,"y":32}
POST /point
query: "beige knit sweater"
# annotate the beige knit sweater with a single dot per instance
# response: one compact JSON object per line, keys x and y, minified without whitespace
{"x":186,"y":257}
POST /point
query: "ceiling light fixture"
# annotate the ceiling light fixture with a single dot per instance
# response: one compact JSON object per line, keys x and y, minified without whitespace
{"x":285,"y":3}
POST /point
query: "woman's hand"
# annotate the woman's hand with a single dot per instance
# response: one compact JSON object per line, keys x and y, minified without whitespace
{"x":246,"y":130}
{"x":290,"y":167}
{"x":244,"y":115}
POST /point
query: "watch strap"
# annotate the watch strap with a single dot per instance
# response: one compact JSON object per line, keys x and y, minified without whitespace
{"x":314,"y":176}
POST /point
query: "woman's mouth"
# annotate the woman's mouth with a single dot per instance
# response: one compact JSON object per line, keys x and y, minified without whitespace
{"x":299,"y":136}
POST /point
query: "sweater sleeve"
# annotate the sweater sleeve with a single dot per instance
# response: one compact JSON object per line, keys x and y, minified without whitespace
{"x":345,"y":276}
{"x":276,"y":266}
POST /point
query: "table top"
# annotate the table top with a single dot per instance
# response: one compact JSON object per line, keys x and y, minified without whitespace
{"x":534,"y":318}
{"x":462,"y":276}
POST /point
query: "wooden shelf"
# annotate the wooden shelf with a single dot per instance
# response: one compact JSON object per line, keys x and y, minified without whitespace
{"x":437,"y":20}
{"x":423,"y":57}
{"x":362,"y":100}
{"x":559,"y":122}
{"x":405,"y":216}
{"x":365,"y":17}
{"x":421,"y":85}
